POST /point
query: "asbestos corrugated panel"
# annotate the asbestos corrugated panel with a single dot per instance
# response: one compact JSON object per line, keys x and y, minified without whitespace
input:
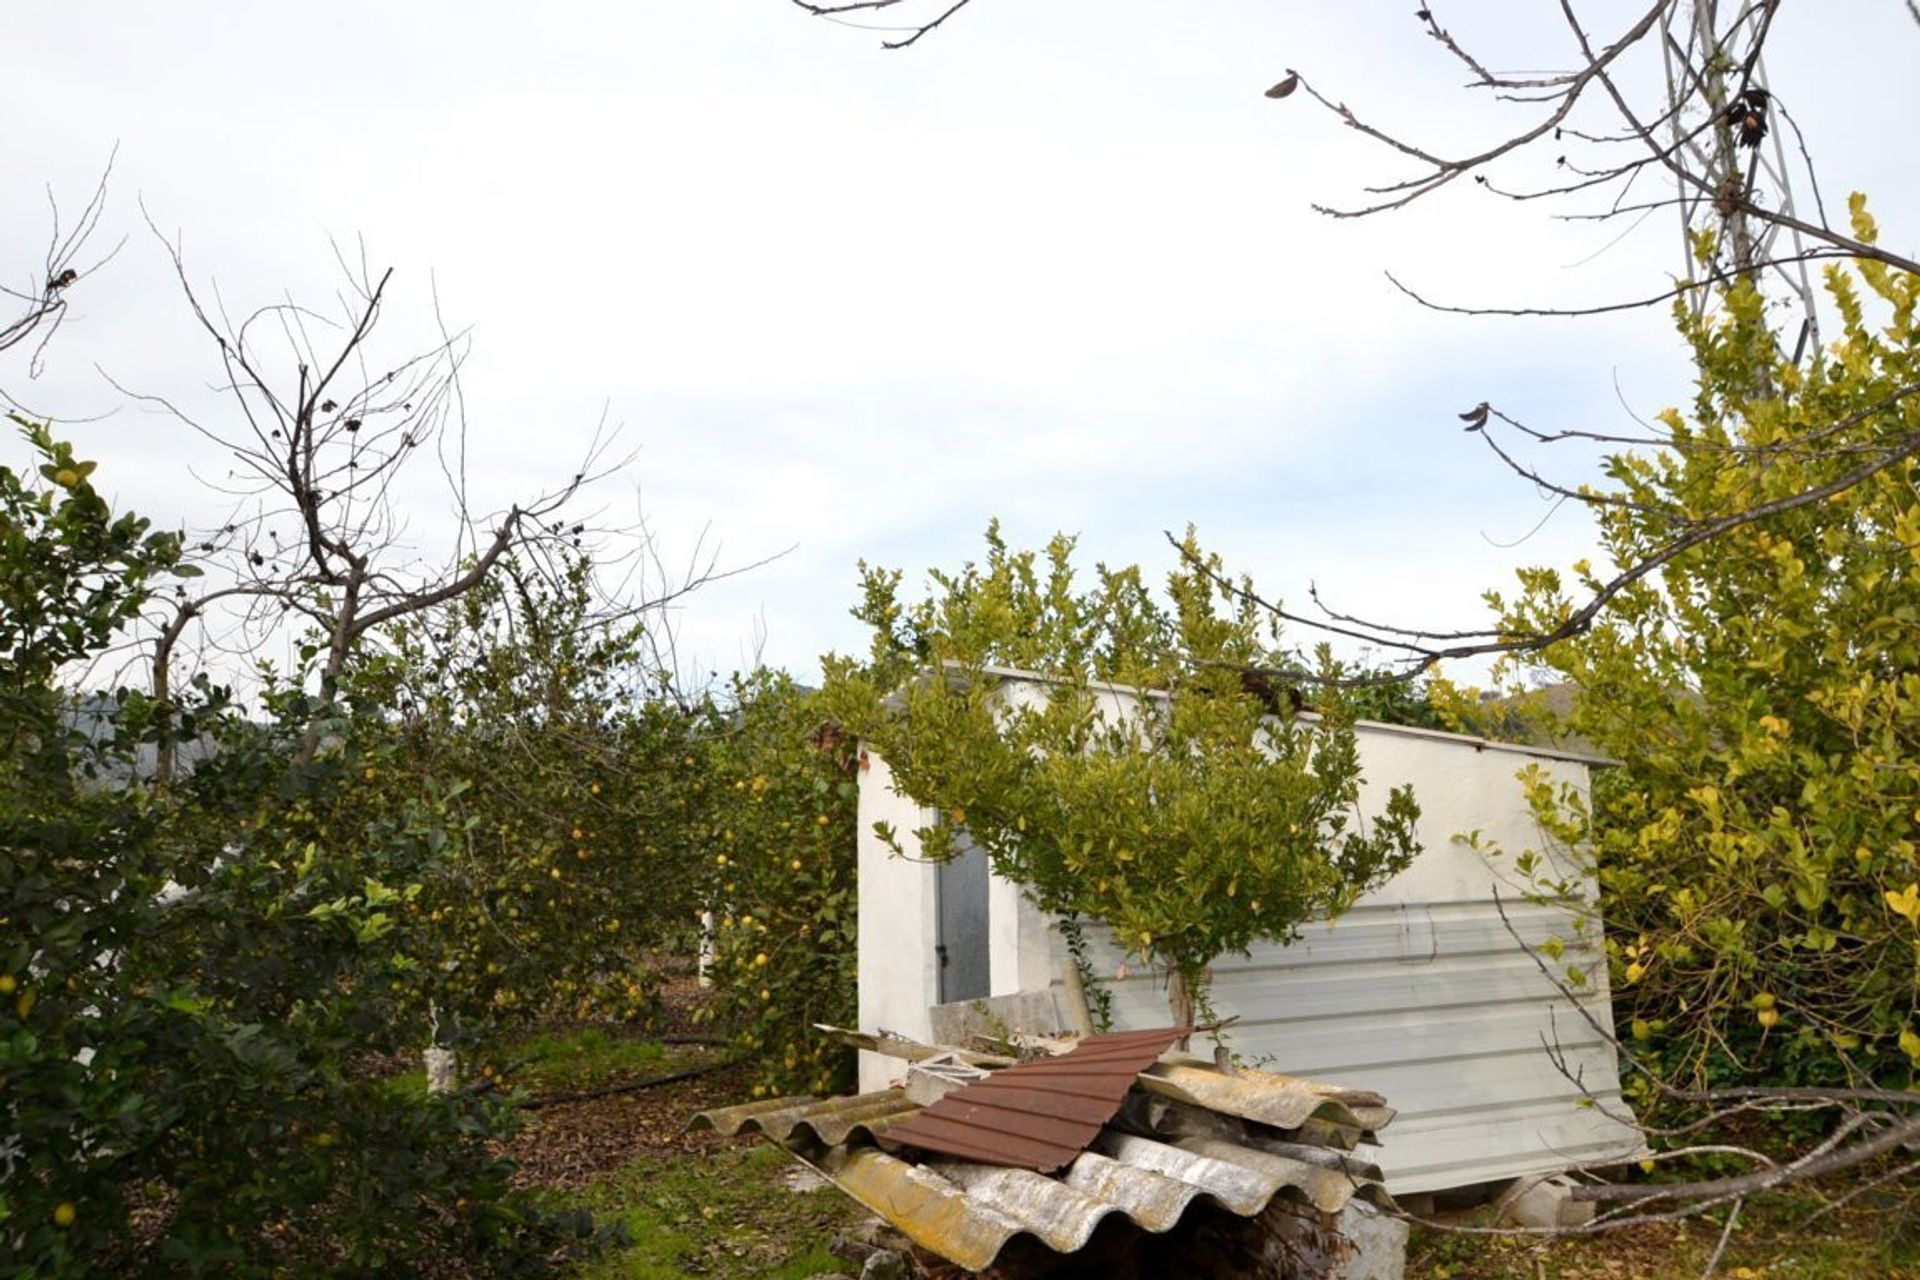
{"x":809,"y":1120}
{"x":1281,"y":1101}
{"x":968,"y":1212}
{"x":1438,"y":1007}
{"x":1038,"y":1115}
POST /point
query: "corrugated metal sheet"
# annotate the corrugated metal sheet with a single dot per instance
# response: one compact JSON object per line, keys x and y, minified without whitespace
{"x":969,"y":1212}
{"x":1439,"y":1008}
{"x":1037,"y":1115}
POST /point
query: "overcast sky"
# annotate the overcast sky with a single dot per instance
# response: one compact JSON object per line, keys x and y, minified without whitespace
{"x":1056,"y":263}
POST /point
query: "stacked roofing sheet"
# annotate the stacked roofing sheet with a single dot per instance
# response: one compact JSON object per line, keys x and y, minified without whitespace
{"x":1187,"y":1135}
{"x":1036,"y":1115}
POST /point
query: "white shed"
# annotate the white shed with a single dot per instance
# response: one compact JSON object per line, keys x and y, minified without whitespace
{"x":1419,"y":992}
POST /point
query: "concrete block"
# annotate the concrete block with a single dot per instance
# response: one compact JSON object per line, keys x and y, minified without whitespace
{"x":1301,"y":1243}
{"x":1544,"y":1201}
{"x":1028,"y":1012}
{"x":1378,"y":1241}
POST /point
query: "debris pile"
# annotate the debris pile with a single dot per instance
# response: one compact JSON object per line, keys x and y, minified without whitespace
{"x":1108,"y":1155}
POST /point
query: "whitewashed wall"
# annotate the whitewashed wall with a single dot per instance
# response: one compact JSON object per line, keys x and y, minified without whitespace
{"x":1420,"y":992}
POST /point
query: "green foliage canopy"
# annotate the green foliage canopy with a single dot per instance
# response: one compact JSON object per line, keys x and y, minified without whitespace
{"x":782,"y":883}
{"x":578,"y":797}
{"x":1144,"y":782}
{"x":1757,"y":847}
{"x":190,"y":987}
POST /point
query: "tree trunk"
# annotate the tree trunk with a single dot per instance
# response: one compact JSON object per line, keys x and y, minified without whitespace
{"x":1180,"y":1000}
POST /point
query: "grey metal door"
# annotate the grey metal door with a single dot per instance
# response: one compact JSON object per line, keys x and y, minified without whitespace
{"x":961,"y":887}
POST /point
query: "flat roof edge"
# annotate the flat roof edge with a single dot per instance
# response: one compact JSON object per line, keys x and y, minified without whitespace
{"x":1373,"y":726}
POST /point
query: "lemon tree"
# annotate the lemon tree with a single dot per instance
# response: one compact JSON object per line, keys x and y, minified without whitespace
{"x":781,"y":883}
{"x":1757,"y":846}
{"x":1193,"y":813}
{"x":578,"y":791}
{"x":189,"y":986}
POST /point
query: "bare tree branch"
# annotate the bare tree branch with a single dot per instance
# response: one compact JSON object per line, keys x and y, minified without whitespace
{"x":1421,"y":649}
{"x":322,"y":437}
{"x":852,"y":6}
{"x":43,"y":302}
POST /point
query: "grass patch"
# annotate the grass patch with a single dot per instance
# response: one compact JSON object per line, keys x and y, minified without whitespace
{"x":556,"y":1062}
{"x":729,"y":1215}
{"x":726,"y":1212}
{"x":592,"y":1057}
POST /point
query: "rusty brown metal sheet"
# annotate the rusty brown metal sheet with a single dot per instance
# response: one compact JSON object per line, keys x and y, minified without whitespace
{"x":1038,"y":1115}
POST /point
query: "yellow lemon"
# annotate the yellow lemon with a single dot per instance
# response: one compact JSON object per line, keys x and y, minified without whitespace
{"x":64,"y":1213}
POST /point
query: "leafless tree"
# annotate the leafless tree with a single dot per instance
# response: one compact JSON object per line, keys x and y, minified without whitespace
{"x":1715,"y":141}
{"x":320,"y":438}
{"x":326,"y":444}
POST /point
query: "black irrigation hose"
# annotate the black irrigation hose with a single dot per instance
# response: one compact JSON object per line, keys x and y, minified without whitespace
{"x":633,"y":1086}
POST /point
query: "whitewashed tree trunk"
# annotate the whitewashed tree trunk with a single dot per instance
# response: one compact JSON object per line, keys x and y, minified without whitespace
{"x":443,"y":1070}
